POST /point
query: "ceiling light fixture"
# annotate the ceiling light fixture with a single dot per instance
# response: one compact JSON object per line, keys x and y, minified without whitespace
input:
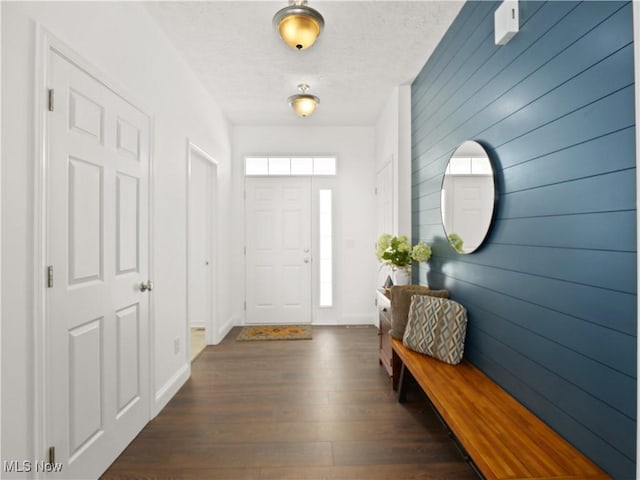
{"x":304,"y":104}
{"x":298,"y":24}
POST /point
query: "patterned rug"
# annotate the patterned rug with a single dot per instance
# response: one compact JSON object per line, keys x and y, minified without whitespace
{"x":275,"y":332}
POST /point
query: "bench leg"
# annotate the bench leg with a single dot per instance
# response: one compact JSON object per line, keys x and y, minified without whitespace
{"x":402,"y":383}
{"x":396,"y":366}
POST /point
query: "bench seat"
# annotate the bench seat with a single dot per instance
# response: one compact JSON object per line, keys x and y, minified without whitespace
{"x":503,"y":439}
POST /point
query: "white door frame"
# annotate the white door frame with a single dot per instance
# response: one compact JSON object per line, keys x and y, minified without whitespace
{"x":46,"y":42}
{"x":212,"y":333}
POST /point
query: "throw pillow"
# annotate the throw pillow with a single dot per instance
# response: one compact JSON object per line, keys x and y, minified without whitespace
{"x":401,"y":301}
{"x":436,"y":327}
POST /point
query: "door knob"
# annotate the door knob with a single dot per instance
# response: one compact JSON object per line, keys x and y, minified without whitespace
{"x":146,"y":286}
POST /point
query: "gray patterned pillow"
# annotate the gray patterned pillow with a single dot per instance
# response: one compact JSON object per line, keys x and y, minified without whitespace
{"x":436,"y":327}
{"x":401,"y":301}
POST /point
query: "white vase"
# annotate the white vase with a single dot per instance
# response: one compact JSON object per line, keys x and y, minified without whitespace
{"x":402,"y":275}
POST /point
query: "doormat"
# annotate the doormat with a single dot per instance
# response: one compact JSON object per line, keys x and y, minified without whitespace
{"x":275,"y":332}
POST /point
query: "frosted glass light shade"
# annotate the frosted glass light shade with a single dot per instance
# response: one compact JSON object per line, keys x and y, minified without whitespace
{"x":298,"y":25}
{"x":304,"y":104}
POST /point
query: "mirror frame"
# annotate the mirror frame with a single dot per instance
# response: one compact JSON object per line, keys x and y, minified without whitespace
{"x":494,"y":203}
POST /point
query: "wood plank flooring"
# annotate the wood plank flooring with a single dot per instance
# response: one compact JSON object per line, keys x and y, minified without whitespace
{"x":293,"y":410}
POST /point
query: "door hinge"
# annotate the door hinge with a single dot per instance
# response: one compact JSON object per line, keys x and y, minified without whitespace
{"x":52,"y":455}
{"x":245,"y":251}
{"x":50,"y":276}
{"x":50,"y":99}
{"x":245,"y":305}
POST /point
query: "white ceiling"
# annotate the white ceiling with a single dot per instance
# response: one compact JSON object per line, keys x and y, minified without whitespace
{"x":366,"y":48}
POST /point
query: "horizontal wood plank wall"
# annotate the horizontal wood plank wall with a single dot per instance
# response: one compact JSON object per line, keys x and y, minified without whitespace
{"x":552,"y":294}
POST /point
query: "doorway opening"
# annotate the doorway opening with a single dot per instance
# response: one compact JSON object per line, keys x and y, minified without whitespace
{"x":202,"y":260}
{"x":197,"y":340}
{"x":288,"y":238}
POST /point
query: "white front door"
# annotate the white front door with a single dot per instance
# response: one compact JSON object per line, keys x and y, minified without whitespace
{"x":96,"y":242}
{"x":278,"y":250}
{"x":201,"y":218}
{"x":468,"y":200}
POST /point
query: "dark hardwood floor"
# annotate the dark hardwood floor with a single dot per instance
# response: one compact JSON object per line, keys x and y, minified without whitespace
{"x":293,"y":410}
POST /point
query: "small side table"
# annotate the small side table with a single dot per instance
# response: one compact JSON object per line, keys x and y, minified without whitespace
{"x":386,"y":355}
{"x":384,"y":325}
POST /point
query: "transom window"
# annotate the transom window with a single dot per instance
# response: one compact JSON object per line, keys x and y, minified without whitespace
{"x":289,"y":166}
{"x":469,"y":166}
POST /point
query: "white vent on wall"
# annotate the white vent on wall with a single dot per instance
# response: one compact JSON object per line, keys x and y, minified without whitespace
{"x":507,"y":22}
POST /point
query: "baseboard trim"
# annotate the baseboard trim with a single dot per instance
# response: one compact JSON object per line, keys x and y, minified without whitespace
{"x":224,"y":330}
{"x":350,"y":320}
{"x":171,"y":387}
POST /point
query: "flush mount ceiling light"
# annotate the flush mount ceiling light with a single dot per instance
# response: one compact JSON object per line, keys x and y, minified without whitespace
{"x":298,"y":24}
{"x":303,"y":104}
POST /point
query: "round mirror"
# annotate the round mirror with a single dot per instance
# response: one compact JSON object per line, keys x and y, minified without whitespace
{"x":468,"y":197}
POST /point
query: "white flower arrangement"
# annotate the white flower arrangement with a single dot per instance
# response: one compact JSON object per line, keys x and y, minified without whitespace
{"x":398,"y":252}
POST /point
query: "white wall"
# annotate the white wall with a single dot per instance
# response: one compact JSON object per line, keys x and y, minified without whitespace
{"x":353,"y":207}
{"x":393,"y":143}
{"x":121,"y":40}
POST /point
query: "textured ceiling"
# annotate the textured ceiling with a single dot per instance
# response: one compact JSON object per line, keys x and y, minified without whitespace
{"x":366,"y":48}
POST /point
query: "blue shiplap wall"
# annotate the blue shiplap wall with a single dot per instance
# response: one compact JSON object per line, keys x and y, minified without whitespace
{"x":552,"y":295}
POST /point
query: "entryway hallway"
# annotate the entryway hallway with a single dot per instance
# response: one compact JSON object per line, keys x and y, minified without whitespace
{"x":305,"y":409}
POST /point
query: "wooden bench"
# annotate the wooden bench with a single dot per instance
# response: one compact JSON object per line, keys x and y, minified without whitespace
{"x":500,"y":437}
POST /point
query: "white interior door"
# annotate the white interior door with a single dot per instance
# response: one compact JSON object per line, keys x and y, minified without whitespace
{"x":201,"y":249}
{"x":384,"y":209}
{"x":384,"y":198}
{"x":278,"y":250}
{"x":96,"y":242}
